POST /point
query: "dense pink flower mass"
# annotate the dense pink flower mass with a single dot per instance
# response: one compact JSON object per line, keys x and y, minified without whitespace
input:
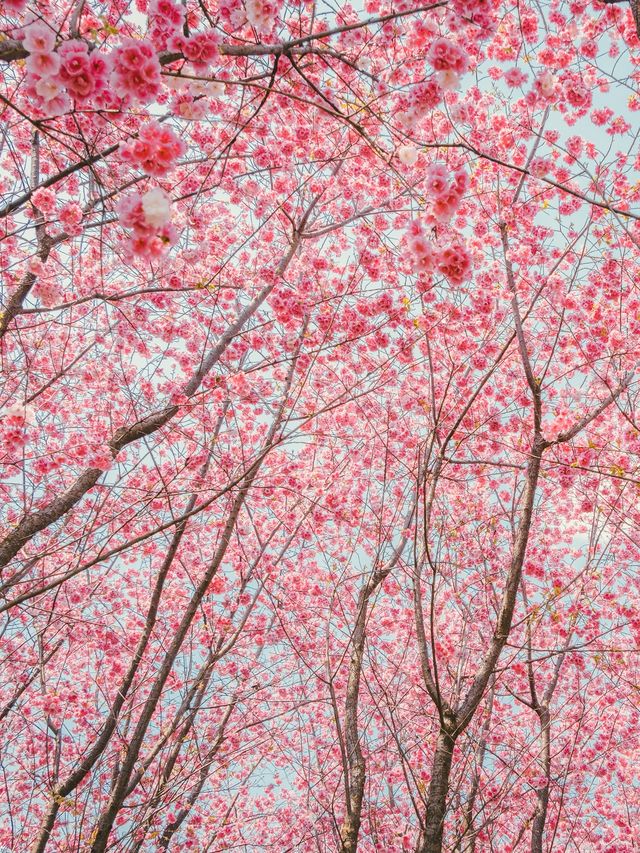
{"x":445,"y":55}
{"x":166,"y":18}
{"x":319,"y":429}
{"x":261,"y":14}
{"x":155,"y":150}
{"x":422,"y":250}
{"x":454,"y":262}
{"x":136,"y":70}
{"x":149,"y":218}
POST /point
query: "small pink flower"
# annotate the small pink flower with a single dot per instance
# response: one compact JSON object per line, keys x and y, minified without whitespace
{"x":43,"y":64}
{"x":102,"y":459}
{"x":262,"y":14}
{"x":546,"y":85}
{"x":448,"y":80}
{"x":578,"y":95}
{"x":514,"y":77}
{"x":74,"y":61}
{"x":48,"y":89}
{"x":39,"y":38}
{"x":81,"y":86}
{"x":437,"y":181}
{"x":148,"y":216}
{"x":540,"y":167}
{"x":421,"y":249}
{"x":169,"y":13}
{"x":407,"y":154}
{"x":574,"y":145}
{"x":602,"y":117}
{"x":48,"y":292}
{"x":202,"y":48}
{"x":446,"y":204}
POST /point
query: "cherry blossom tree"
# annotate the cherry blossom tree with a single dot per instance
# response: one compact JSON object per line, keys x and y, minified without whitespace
{"x":318,"y":426}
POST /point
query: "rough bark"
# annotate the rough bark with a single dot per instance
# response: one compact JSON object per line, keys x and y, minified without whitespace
{"x":355,"y":759}
{"x":542,"y":793}
{"x":438,"y":791}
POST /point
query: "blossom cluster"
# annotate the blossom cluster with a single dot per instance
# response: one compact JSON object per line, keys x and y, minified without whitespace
{"x":165,"y":19}
{"x":287,"y":306}
{"x":577,"y":94}
{"x":482,"y":13}
{"x":44,"y":199}
{"x":570,"y":87}
{"x":423,"y":98}
{"x":136,"y":70}
{"x":449,"y":60}
{"x":14,"y":423}
{"x":453,"y":261}
{"x":56,"y":76}
{"x":71,"y":71}
{"x":445,"y":189}
{"x":149,"y":218}
{"x":232,"y":13}
{"x":201,"y":49}
{"x":262,"y":14}
{"x":69,"y":214}
{"x":155,"y":151}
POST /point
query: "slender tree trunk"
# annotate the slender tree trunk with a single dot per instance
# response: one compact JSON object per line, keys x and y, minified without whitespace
{"x":431,"y":841}
{"x":542,"y":793}
{"x":356,"y":765}
{"x":351,"y":825}
{"x":356,"y":768}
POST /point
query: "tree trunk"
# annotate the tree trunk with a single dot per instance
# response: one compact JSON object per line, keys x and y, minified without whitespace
{"x":351,"y":825}
{"x":356,"y":765}
{"x":438,"y":789}
{"x":542,"y":793}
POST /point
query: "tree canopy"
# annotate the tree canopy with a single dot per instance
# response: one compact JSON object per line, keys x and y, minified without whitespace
{"x":319,"y":438}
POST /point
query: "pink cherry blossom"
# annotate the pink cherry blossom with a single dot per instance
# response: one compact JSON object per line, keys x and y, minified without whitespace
{"x":70,"y":217}
{"x":454,"y":262}
{"x":546,"y":85}
{"x":515,"y":77}
{"x":262,"y":14}
{"x":202,"y":48}
{"x":445,"y":55}
{"x":407,"y":154}
{"x":165,"y":19}
{"x":39,"y":37}
{"x":577,"y":94}
{"x":136,"y":70}
{"x":437,"y":179}
{"x":45,"y":200}
{"x":148,"y":216}
{"x":421,"y":249}
{"x":156,"y":149}
{"x":43,"y":64}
